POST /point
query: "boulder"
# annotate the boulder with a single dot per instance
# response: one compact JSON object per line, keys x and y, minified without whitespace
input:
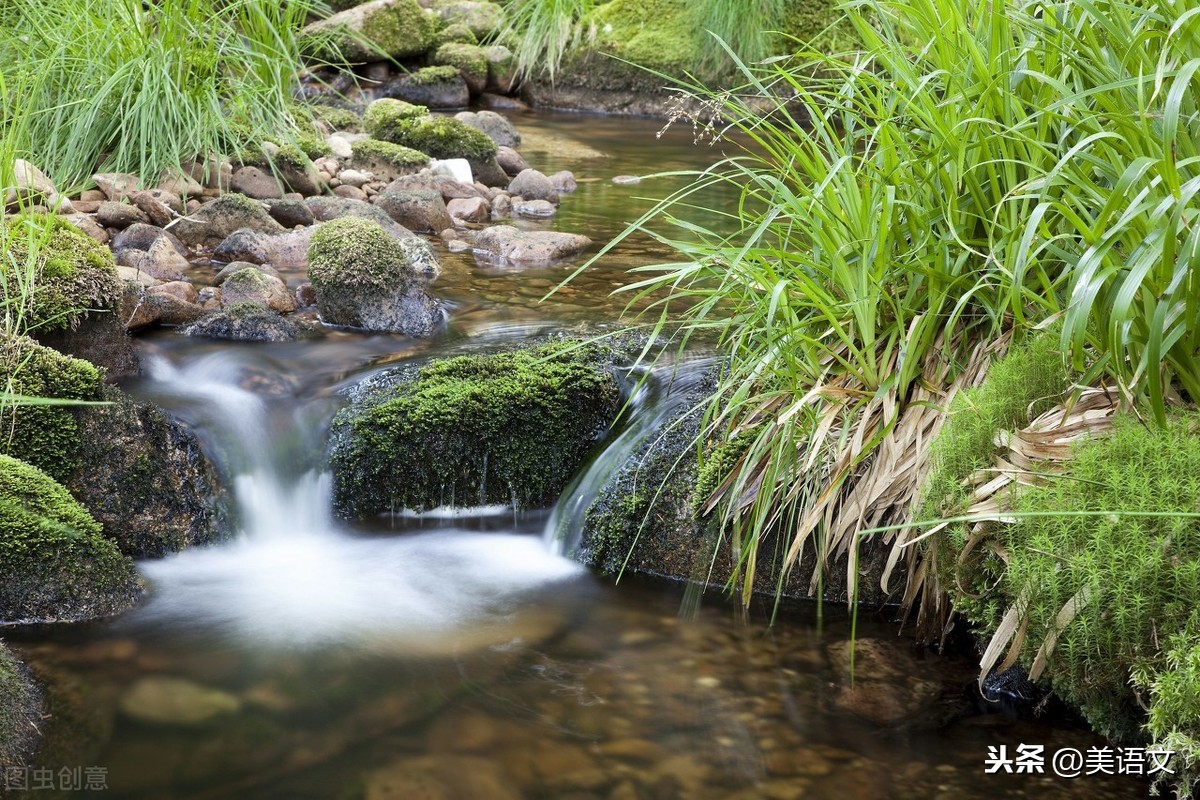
{"x":432,"y":87}
{"x":330,"y":208}
{"x":505,"y":244}
{"x":237,"y":266}
{"x":497,"y":127}
{"x":57,"y":565}
{"x":508,"y":428}
{"x":290,"y":213}
{"x":564,"y":182}
{"x":87,"y":224}
{"x":470,"y":60}
{"x":170,"y":310}
{"x":160,"y":261}
{"x":116,"y":186}
{"x":215,"y":220}
{"x":112,"y":214}
{"x":365,"y":278}
{"x":420,"y":210}
{"x":250,"y":285}
{"x":502,"y":78}
{"x":484,"y":20}
{"x":533,"y":185}
{"x":396,"y":28}
{"x":470,"y":209}
{"x":282,"y":250}
{"x":156,"y":206}
{"x":180,"y":289}
{"x":385,"y":160}
{"x":247,"y":322}
{"x":32,"y":186}
{"x":143,"y":237}
{"x":256,"y":183}
{"x":510,"y":161}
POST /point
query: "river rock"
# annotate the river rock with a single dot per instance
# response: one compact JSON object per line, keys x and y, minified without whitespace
{"x":143,"y":237}
{"x":350,"y":192}
{"x":156,"y":210}
{"x":172,"y":311}
{"x":251,"y":285}
{"x":399,"y":28}
{"x":365,"y":278}
{"x":471,"y":209}
{"x":256,"y":183}
{"x":535,"y":209}
{"x":436,"y":88}
{"x":31,"y":185}
{"x":290,"y":213}
{"x":502,"y":78}
{"x":180,"y":184}
{"x":440,"y":778}
{"x":533,"y":185}
{"x":470,"y":61}
{"x":133,"y":275}
{"x":116,"y":186}
{"x":510,"y":161}
{"x":419,"y":210}
{"x":112,"y":214}
{"x":236,"y":266}
{"x":564,"y":182}
{"x":889,"y":686}
{"x":215,"y":220}
{"x":483,"y":19}
{"x":249,"y":322}
{"x":505,"y":244}
{"x":161,"y":261}
{"x":282,"y":250}
{"x":162,"y":700}
{"x":180,"y":289}
{"x":330,"y":208}
{"x":88,"y":225}
{"x":497,"y":127}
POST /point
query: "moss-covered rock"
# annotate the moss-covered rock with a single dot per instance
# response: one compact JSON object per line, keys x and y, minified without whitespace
{"x":55,"y":562}
{"x":382,"y":28}
{"x":365,"y":278}
{"x":46,"y":436}
{"x":146,"y":479}
{"x":386,"y":118}
{"x":247,"y":322}
{"x":54,"y":274}
{"x":456,"y":32}
{"x":386,"y":160}
{"x":446,"y":137}
{"x":483,"y":19}
{"x":21,"y":711}
{"x":509,"y":428}
{"x":471,"y":61}
{"x":338,"y":119}
{"x":434,"y":87}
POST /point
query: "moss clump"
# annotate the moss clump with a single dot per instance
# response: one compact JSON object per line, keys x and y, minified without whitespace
{"x":446,"y":137}
{"x":717,"y":465}
{"x":507,"y":428}
{"x":386,"y":118}
{"x":20,"y":712}
{"x":1174,"y":723}
{"x":56,"y":564}
{"x":483,"y":19}
{"x":470,"y":60}
{"x":457,"y":32}
{"x":427,"y":76}
{"x":397,"y":156}
{"x":355,"y":35}
{"x":338,"y":119}
{"x":54,"y":274}
{"x":660,"y":34}
{"x":46,"y":436}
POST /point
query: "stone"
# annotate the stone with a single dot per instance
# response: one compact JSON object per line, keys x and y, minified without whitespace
{"x":469,"y":59}
{"x":436,"y":88}
{"x":419,"y":210}
{"x":236,"y":266}
{"x":472,"y":209}
{"x":399,"y":28}
{"x":116,"y":186}
{"x":180,"y":184}
{"x":180,"y":289}
{"x":251,"y":285}
{"x":135,"y":311}
{"x":142,"y":237}
{"x":24,"y":711}
{"x":157,"y":212}
{"x":533,"y":185}
{"x":365,"y":278}
{"x":168,"y":198}
{"x":505,"y":244}
{"x":502,"y":205}
{"x":112,"y":214}
{"x":386,"y":160}
{"x":339,"y":145}
{"x":626,"y":180}
{"x":290,"y":213}
{"x":306,"y":295}
{"x":330,"y":208}
{"x":510,"y":161}
{"x":248,"y":322}
{"x":143,"y":279}
{"x":354,"y":177}
{"x":88,"y":225}
{"x":440,"y":778}
{"x":161,"y":261}
{"x":500,"y":102}
{"x":483,"y":19}
{"x":535,"y":209}
{"x":213,"y":173}
{"x":256,"y":183}
{"x":502,"y":78}
{"x":350,"y":192}
{"x":162,"y":700}
{"x":172,"y":311}
{"x":564,"y":182}
{"x":497,"y":127}
{"x":215,"y":220}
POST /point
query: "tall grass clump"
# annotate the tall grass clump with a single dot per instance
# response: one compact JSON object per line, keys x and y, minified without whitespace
{"x":974,"y":171}
{"x":142,"y":87}
{"x":542,"y":32}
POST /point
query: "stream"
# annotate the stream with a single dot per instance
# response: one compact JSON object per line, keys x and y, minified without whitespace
{"x":462,"y":655}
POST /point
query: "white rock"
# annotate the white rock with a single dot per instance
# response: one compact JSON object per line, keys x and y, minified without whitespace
{"x":457,"y":168}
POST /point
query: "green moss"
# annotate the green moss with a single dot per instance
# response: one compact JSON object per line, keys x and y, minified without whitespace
{"x":405,"y":29}
{"x":248,"y":280}
{"x":46,"y":436}
{"x":718,"y":464}
{"x":427,"y":76}
{"x":291,"y":157}
{"x":1174,"y":722}
{"x":20,"y":712}
{"x":54,"y":274}
{"x":56,"y":563}
{"x":457,"y":32}
{"x":351,"y":252}
{"x":386,"y":118}
{"x":470,"y":60}
{"x":483,"y":19}
{"x":446,"y":137}
{"x":508,"y":428}
{"x":660,"y":34}
{"x":396,"y":156}
{"x":338,"y":119}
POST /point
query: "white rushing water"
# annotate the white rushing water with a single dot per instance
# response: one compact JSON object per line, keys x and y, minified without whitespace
{"x":295,"y":577}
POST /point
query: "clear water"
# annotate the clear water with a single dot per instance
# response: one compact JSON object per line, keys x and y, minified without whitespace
{"x":459,"y":655}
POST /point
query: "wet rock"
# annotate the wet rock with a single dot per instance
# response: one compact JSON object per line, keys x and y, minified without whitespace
{"x":249,"y":322}
{"x":399,"y":28}
{"x":330,"y":208}
{"x":473,"y":209}
{"x":161,"y":261}
{"x":497,"y":127}
{"x":112,"y":214}
{"x":136,"y":312}
{"x":215,"y":220}
{"x":171,"y":311}
{"x":420,"y":210}
{"x":502,"y":205}
{"x":504,"y":244}
{"x":440,"y":778}
{"x":500,"y":102}
{"x":283,"y":250}
{"x":306,"y":295}
{"x":21,"y":711}
{"x":365,"y":278}
{"x":251,"y":285}
{"x":890,"y":685}
{"x":510,"y":161}
{"x":174,"y":701}
{"x":256,"y":183}
{"x":533,"y":185}
{"x":436,"y":88}
{"x":146,"y":479}
{"x":535,"y":209}
{"x":458,"y":246}
{"x":290,"y":213}
{"x":627,"y":180}
{"x":564,"y":181}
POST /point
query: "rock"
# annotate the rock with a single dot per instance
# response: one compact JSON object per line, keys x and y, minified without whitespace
{"x":339,"y":146}
{"x":447,"y":187}
{"x":399,"y":28}
{"x":433,"y":87}
{"x":246,"y":322}
{"x":306,"y":295}
{"x":420,"y":210}
{"x":458,"y":246}
{"x":297,"y":172}
{"x":162,"y":261}
{"x":22,"y":711}
{"x":157,"y":212}
{"x":172,"y":311}
{"x":143,"y":237}
{"x":283,"y":250}
{"x":116,"y":186}
{"x":365,"y":278}
{"x":535,"y":209}
{"x":889,"y":687}
{"x":385,"y":160}
{"x":134,"y":275}
{"x":533,"y":185}
{"x":180,"y":289}
{"x":256,"y":183}
{"x":473,"y":209}
{"x":457,"y":169}
{"x":290,"y":213}
{"x":31,"y":186}
{"x":213,"y":173}
{"x":502,"y":78}
{"x":330,"y":208}
{"x":215,"y":220}
{"x":162,"y":700}
{"x":88,"y":225}
{"x":497,"y":128}
{"x":564,"y":182}
{"x":482,"y":19}
{"x":180,"y":184}
{"x":111,"y":214}
{"x":499,"y":102}
{"x":146,"y":479}
{"x":57,"y":565}
{"x":440,"y":778}
{"x":510,"y":161}
{"x":505,"y":244}
{"x":136,"y":311}
{"x":355,"y":178}
{"x":251,"y":285}
{"x":237,"y":266}
{"x":626,"y":180}
{"x":169,"y":199}
{"x":508,"y":428}
{"x":350,"y":192}
{"x":469,"y":59}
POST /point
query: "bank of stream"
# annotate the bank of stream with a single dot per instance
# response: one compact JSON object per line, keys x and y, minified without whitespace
{"x":455,"y":655}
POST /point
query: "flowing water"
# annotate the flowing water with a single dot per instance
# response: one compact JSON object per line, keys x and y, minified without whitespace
{"x":461,"y":655}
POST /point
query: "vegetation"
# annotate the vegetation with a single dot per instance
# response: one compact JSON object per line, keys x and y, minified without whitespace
{"x":21,"y":711}
{"x":509,"y":428}
{"x":127,"y":86}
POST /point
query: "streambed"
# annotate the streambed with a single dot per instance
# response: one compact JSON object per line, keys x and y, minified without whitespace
{"x":456,"y":655}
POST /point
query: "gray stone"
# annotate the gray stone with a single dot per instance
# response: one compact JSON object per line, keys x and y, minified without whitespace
{"x":142,"y":237}
{"x":111,"y":214}
{"x":237,"y":266}
{"x":535,"y":209}
{"x":116,"y":186}
{"x":504,"y":244}
{"x":156,"y":210}
{"x":328,"y":208}
{"x":290,"y":213}
{"x":212,"y":222}
{"x":180,"y":289}
{"x":246,"y":322}
{"x":419,"y":210}
{"x":511,"y":161}
{"x":161,"y":261}
{"x":497,"y":127}
{"x":445,"y":92}
{"x":470,"y":209}
{"x":256,"y":183}
{"x":533,"y":185}
{"x":251,"y":285}
{"x":88,"y":225}
{"x":502,"y":77}
{"x":483,"y":19}
{"x":400,"y":28}
{"x":564,"y":182}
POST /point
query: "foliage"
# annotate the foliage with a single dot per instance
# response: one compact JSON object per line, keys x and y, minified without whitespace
{"x":508,"y":428}
{"x":542,"y":32}
{"x":131,"y":87}
{"x":1174,"y":723}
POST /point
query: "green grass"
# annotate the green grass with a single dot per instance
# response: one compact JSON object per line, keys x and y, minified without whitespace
{"x":116,"y":87}
{"x":541,"y":32}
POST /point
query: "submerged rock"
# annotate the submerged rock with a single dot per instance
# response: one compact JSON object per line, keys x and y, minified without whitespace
{"x":444,"y":777}
{"x":21,"y":712}
{"x":175,"y":701}
{"x":509,"y":428}
{"x":505,"y":244}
